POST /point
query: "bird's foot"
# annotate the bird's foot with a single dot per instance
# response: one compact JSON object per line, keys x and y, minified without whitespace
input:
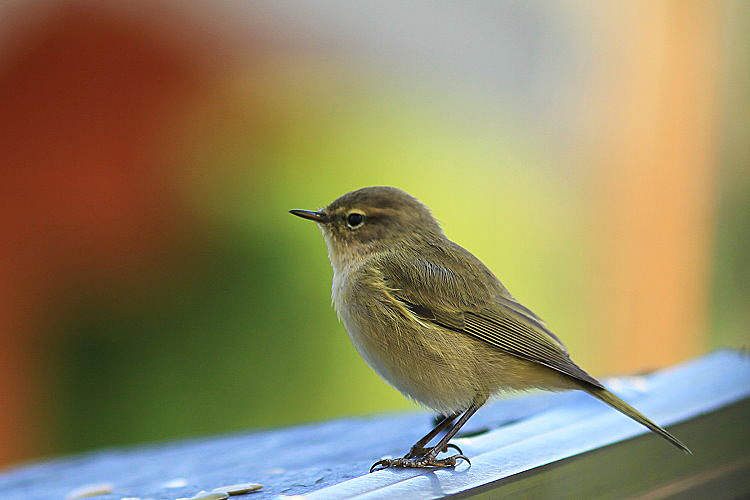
{"x":420,"y":451}
{"x":427,"y":460}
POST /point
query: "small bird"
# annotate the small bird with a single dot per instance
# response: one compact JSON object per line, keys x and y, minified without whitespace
{"x":434,"y":322}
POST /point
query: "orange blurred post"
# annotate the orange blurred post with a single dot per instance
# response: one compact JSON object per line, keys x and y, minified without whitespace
{"x":658,"y":164}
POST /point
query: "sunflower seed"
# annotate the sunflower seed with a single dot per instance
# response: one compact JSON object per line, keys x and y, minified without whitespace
{"x":204,"y":495}
{"x":239,"y":489}
{"x":90,"y":490}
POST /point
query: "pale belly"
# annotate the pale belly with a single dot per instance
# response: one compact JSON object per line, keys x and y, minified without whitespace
{"x":395,"y":348}
{"x":438,"y":368}
{"x":403,"y":359}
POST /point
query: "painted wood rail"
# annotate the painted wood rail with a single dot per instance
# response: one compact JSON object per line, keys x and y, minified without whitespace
{"x":562,"y":445}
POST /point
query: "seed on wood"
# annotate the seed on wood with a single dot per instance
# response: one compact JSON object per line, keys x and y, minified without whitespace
{"x":239,"y":489}
{"x":90,"y":490}
{"x":204,"y":495}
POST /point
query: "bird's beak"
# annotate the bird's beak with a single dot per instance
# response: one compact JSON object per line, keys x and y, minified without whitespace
{"x":319,"y":217}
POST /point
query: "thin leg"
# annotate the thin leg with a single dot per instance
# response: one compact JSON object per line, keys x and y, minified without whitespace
{"x":429,"y":459}
{"x":456,"y":427}
{"x":419,"y":447}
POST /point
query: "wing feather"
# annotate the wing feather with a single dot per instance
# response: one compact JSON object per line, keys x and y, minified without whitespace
{"x":458,"y":301}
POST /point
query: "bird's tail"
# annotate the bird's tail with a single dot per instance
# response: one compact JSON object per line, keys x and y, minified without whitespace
{"x":621,"y":406}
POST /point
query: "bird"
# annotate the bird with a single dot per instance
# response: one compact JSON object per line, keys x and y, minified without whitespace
{"x":433,"y":321}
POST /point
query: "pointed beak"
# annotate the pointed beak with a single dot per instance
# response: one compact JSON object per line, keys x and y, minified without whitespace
{"x":319,"y":217}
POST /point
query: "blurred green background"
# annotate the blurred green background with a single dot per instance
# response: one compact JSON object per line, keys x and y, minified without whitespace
{"x":153,"y":286}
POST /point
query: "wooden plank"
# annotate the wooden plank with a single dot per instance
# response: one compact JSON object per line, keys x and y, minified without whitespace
{"x":570,"y":430}
{"x":642,"y":468}
{"x":526,"y":444}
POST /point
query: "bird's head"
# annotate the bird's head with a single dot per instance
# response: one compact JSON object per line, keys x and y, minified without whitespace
{"x":370,"y":220}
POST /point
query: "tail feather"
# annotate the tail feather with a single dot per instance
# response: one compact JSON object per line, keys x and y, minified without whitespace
{"x":621,"y":406}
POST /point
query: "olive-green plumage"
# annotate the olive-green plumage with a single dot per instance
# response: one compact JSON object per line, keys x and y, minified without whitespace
{"x":431,"y":319}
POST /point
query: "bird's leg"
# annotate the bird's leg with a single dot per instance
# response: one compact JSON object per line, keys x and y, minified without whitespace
{"x":419,"y":447}
{"x":430,"y":459}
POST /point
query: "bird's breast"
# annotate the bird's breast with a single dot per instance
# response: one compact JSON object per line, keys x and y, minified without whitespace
{"x":423,"y":361}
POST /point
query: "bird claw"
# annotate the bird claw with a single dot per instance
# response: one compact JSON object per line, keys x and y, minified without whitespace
{"x":420,"y":462}
{"x":455,"y":447}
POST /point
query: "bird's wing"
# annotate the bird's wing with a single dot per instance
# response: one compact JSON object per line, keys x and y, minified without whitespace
{"x":458,"y":300}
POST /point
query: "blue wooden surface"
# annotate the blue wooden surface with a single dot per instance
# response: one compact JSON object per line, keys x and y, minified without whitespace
{"x":331,"y":459}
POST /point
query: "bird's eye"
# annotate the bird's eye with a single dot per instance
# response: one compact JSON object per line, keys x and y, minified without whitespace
{"x":354,"y":220}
